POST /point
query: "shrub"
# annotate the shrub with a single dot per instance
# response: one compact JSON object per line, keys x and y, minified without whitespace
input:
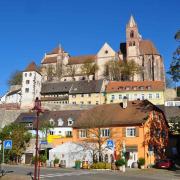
{"x":141,"y":161}
{"x":42,"y":158}
{"x":101,"y":165}
{"x":56,"y":161}
{"x":120,"y":162}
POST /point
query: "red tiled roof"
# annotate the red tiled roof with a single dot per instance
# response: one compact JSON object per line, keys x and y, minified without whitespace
{"x":32,"y":67}
{"x":82,"y":59}
{"x":119,"y":86}
{"x":48,"y":60}
{"x":147,"y":47}
{"x":106,"y":115}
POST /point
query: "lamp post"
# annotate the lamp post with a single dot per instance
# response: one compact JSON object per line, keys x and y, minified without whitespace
{"x":37,"y":108}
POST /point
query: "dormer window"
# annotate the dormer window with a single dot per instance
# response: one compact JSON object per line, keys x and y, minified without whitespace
{"x":141,"y":87}
{"x":60,"y":122}
{"x":127,"y":88}
{"x":70,"y":122}
{"x":51,"y":121}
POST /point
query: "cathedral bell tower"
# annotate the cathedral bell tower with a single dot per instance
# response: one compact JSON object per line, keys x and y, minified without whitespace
{"x":132,"y":39}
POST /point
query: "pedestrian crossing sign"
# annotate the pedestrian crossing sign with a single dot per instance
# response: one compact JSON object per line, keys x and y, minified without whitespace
{"x":8,"y":144}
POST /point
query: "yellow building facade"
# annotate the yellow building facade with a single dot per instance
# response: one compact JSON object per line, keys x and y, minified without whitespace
{"x":150,"y":90}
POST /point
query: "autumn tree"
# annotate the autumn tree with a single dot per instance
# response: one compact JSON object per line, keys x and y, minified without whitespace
{"x":50,"y":73}
{"x":15,"y":78}
{"x":174,"y":124}
{"x":20,"y":138}
{"x":89,"y":68}
{"x":72,"y":70}
{"x":174,"y":69}
{"x":97,"y":135}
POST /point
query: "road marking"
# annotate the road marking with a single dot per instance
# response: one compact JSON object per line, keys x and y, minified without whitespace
{"x":43,"y":176}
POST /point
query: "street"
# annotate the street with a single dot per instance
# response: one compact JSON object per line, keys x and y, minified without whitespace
{"x":20,"y":172}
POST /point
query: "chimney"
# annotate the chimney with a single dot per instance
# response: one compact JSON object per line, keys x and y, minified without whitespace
{"x":124,"y":103}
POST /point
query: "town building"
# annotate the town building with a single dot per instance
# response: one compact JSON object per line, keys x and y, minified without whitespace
{"x":150,"y":90}
{"x":137,"y":128}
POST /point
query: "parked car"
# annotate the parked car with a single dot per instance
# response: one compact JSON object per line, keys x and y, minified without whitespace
{"x":165,"y":164}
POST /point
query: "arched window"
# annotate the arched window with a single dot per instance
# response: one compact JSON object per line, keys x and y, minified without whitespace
{"x":131,"y":34}
{"x":134,"y":43}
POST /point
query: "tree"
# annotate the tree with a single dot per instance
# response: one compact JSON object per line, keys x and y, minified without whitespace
{"x":112,"y":70}
{"x":174,"y":124}
{"x":71,"y":70}
{"x":174,"y":69}
{"x":15,"y":78}
{"x":89,"y":68}
{"x":50,"y":73}
{"x":95,"y":141}
{"x":20,"y":138}
{"x":129,"y":69}
{"x":59,"y":70}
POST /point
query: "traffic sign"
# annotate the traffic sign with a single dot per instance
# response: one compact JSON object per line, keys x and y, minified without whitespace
{"x":110,"y":143}
{"x":8,"y":144}
{"x":43,"y":142}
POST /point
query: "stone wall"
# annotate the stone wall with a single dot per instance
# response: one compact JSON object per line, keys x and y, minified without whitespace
{"x":9,"y":116}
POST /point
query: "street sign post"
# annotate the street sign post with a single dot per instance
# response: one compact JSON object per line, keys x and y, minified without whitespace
{"x":110,"y":144}
{"x":7,"y":144}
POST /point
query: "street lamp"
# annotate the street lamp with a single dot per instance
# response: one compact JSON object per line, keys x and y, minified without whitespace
{"x":37,"y":108}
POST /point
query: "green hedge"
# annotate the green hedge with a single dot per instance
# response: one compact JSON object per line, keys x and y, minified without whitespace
{"x":101,"y":165}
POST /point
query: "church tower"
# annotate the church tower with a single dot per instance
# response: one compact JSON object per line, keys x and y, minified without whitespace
{"x":132,"y":39}
{"x":31,"y":86}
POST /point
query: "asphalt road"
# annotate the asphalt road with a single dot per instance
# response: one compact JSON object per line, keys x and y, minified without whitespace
{"x":20,"y":172}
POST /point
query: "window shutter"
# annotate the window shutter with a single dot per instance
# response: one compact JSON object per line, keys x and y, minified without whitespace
{"x":137,"y":131}
{"x":124,"y":132}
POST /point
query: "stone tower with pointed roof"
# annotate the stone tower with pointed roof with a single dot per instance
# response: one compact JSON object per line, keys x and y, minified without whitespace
{"x":31,"y":86}
{"x":142,"y":52}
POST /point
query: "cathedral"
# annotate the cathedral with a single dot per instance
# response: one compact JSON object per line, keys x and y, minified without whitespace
{"x":59,"y":65}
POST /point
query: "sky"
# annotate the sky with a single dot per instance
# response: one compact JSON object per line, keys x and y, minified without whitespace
{"x":31,"y":28}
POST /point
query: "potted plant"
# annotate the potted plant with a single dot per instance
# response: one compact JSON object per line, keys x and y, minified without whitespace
{"x":77,"y":164}
{"x":141,"y":162}
{"x":120,"y":163}
{"x":56,"y":162}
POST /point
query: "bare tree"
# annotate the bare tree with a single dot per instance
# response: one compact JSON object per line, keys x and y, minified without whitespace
{"x":89,"y":68}
{"x":97,"y":134}
{"x":71,"y":70}
{"x":50,"y":73}
{"x":59,"y":70}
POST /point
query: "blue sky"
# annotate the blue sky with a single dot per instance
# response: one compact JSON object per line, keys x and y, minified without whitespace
{"x":29,"y":28}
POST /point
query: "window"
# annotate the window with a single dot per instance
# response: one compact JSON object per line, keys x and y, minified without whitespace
{"x":68,"y":133}
{"x":135,"y":96}
{"x":112,"y":97}
{"x":157,"y":96}
{"x":97,"y":102}
{"x":74,"y":102}
{"x":25,"y":74}
{"x":150,"y":96}
{"x":141,"y":87}
{"x":142,"y":96}
{"x":127,"y":88}
{"x":51,"y":132}
{"x":148,"y":87}
{"x":134,"y":87}
{"x":130,"y":43}
{"x":130,"y":132}
{"x":73,"y":96}
{"x":105,"y":132}
{"x":82,"y":95}
{"x":51,"y":121}
{"x":82,"y":133}
{"x":127,"y":95}
{"x":106,"y":52}
{"x":131,"y":34}
{"x":89,"y":102}
{"x":134,"y":43}
{"x":30,"y":74}
{"x":82,"y":102}
{"x":27,"y":90}
{"x":89,"y":95}
{"x":60,"y":122}
{"x":120,"y":96}
{"x":70,"y":122}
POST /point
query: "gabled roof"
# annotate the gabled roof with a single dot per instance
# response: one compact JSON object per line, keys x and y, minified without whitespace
{"x":48,"y":60}
{"x":113,"y":115}
{"x":32,"y":67}
{"x":86,"y":87}
{"x":81,"y":59}
{"x":119,"y":86}
{"x":17,"y":91}
{"x":147,"y":47}
{"x":59,"y":87}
